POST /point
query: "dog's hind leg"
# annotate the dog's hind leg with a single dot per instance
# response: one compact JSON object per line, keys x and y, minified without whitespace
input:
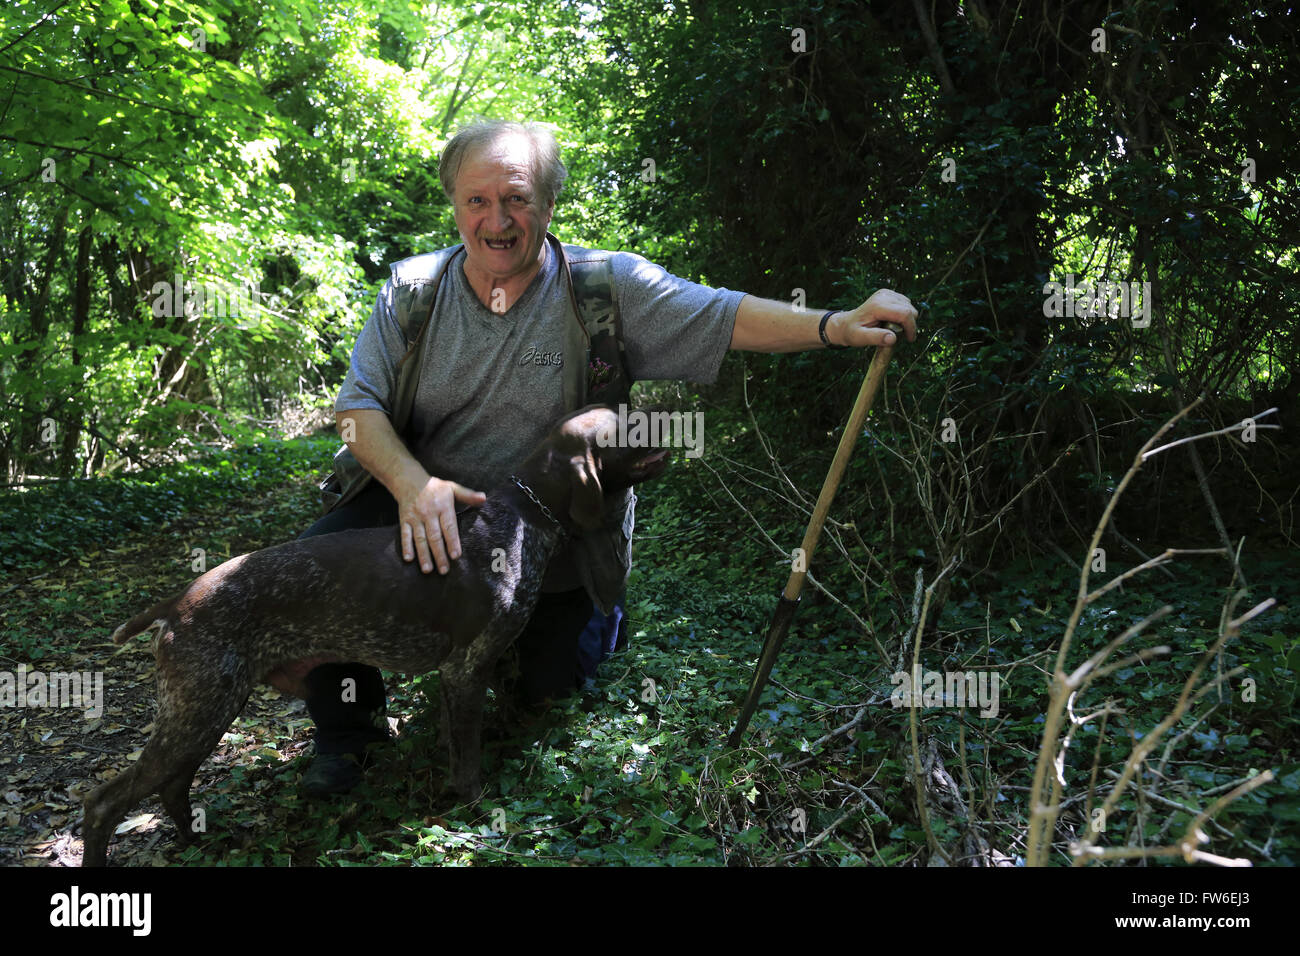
{"x":192,"y":716}
{"x":174,"y":792}
{"x":103,"y":807}
{"x":155,"y":772}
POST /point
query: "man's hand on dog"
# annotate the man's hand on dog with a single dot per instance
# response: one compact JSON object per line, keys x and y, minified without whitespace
{"x":428,"y":520}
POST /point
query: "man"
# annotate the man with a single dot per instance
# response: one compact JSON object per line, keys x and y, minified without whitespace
{"x":484,"y":399}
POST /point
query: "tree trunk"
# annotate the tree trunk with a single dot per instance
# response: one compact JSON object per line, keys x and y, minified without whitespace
{"x":72,"y":405}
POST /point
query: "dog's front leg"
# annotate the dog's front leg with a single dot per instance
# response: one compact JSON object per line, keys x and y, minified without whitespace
{"x":464,"y":693}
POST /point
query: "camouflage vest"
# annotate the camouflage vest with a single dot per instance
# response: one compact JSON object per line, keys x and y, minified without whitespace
{"x":596,"y":332}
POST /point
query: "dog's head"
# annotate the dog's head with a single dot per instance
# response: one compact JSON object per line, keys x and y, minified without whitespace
{"x":601,"y":455}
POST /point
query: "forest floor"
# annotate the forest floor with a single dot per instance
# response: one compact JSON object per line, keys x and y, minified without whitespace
{"x":635,"y":770}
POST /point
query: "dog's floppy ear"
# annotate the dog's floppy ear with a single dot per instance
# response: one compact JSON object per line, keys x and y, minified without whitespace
{"x":587,"y":504}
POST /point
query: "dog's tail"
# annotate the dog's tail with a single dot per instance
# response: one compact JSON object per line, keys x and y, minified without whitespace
{"x":154,"y":618}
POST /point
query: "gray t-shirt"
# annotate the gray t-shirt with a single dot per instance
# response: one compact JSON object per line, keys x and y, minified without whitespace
{"x":492,"y":385}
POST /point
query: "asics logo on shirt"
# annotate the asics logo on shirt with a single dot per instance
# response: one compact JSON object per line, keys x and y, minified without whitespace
{"x":535,"y":356}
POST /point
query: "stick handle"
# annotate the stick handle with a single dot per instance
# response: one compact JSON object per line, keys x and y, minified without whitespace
{"x":776,"y":631}
{"x":789,"y":602}
{"x":861,"y":407}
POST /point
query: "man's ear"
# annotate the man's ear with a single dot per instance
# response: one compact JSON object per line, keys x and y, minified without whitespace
{"x":587,"y":502}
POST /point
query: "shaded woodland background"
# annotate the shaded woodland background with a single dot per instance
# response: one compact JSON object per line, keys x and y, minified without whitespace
{"x":964,"y":154}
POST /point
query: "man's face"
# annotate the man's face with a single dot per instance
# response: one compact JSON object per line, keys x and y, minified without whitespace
{"x":497,"y":210}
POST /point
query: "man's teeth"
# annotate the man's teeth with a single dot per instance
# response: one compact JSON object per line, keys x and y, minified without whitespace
{"x":501,"y":243}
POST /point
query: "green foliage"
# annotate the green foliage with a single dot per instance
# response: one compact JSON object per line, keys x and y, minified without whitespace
{"x":292,"y":150}
{"x":637,"y":771}
{"x":63,"y":520}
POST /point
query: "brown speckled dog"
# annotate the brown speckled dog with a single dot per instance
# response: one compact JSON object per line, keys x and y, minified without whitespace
{"x":349,"y":596}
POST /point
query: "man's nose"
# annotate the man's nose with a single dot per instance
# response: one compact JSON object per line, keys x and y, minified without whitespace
{"x":500,"y":217}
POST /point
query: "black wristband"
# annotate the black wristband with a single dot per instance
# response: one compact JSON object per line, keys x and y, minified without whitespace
{"x":821,"y":331}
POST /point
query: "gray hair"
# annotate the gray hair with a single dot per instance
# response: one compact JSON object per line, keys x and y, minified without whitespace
{"x":549,"y":173}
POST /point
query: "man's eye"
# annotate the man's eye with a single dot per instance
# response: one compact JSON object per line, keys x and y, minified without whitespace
{"x":518,"y":199}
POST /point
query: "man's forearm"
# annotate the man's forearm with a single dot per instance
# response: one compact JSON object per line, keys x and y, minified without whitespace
{"x":765,"y":325}
{"x":380,"y":451}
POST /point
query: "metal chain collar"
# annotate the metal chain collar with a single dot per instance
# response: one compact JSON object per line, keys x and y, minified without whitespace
{"x":533,"y":498}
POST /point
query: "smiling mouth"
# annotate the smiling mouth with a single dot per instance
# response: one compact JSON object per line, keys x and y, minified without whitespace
{"x":501,"y":245}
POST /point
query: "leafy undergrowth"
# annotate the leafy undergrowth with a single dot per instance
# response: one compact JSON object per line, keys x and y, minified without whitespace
{"x":636,"y":770}
{"x":226,"y":504}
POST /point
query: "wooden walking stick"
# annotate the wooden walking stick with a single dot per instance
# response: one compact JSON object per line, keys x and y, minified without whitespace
{"x":785,"y":608}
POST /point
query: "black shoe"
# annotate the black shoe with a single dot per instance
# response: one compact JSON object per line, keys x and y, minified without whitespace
{"x":331,"y":774}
